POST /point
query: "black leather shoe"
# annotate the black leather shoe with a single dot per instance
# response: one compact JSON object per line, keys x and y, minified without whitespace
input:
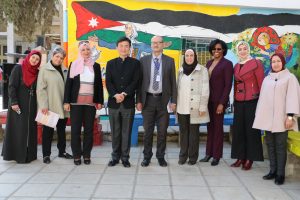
{"x":215,"y":162}
{"x":279,"y":180}
{"x":191,"y":162}
{"x":112,"y":162}
{"x":87,"y":161}
{"x":269,"y":176}
{"x":126,"y":163}
{"x":181,"y":162}
{"x":145,"y":163}
{"x":205,"y":159}
{"x":65,"y":155}
{"x":162,"y":162}
{"x":46,"y":160}
{"x":77,"y":161}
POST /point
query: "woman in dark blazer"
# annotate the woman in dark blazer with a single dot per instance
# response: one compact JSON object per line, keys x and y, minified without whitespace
{"x":220,"y":81}
{"x":83,"y":95}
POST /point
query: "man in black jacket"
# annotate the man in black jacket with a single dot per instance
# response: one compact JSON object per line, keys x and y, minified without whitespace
{"x":122,"y":77}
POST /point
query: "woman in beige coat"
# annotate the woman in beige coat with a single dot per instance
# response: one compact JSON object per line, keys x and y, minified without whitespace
{"x":278,"y":105}
{"x":50,"y":95}
{"x":192,"y":110}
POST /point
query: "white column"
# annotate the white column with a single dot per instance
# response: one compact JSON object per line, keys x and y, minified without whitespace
{"x":10,"y":42}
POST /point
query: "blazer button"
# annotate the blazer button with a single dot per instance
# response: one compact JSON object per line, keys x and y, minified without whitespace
{"x":191,"y":108}
{"x":192,"y":89}
{"x":122,"y":78}
{"x":192,"y":79}
{"x":191,"y":99}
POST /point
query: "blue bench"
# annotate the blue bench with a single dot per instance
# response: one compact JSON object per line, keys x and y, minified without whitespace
{"x":138,"y":121}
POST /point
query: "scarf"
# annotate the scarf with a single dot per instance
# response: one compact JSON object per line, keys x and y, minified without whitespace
{"x":30,"y":72}
{"x":188,"y":69}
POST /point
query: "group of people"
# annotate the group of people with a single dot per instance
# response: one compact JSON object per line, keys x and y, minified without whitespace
{"x":200,"y":95}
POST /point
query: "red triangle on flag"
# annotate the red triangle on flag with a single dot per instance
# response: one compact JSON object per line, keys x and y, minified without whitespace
{"x":88,"y":21}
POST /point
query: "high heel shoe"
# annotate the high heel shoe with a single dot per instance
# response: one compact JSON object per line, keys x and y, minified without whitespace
{"x":205,"y":159}
{"x":238,"y":163}
{"x":215,"y":162}
{"x":247,"y":165}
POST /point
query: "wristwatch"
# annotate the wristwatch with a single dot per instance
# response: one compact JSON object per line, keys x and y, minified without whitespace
{"x":290,"y":117}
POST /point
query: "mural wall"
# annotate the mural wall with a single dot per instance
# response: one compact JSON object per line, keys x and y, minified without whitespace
{"x":103,"y":22}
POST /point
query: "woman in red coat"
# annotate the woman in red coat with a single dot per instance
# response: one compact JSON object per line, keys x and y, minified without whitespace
{"x":220,"y":81}
{"x":248,"y":77}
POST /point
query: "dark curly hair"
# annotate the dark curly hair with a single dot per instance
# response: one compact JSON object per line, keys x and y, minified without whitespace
{"x":214,"y":43}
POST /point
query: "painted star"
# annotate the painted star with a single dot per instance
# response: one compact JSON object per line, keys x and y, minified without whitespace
{"x":93,"y":22}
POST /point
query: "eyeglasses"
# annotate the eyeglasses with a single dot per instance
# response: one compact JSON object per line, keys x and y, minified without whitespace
{"x":217,"y":49}
{"x":155,"y":43}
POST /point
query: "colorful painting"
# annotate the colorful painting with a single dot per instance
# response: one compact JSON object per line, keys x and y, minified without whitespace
{"x":104,"y":22}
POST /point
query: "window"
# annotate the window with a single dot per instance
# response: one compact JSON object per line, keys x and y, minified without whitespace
{"x":18,"y":49}
{"x":4,"y":50}
{"x":201,"y":47}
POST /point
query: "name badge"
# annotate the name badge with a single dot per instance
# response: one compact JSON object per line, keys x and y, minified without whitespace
{"x":157,"y":78}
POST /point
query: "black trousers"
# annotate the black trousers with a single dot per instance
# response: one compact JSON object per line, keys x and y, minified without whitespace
{"x":48,"y":136}
{"x":121,"y":120}
{"x":155,"y":112}
{"x":277,"y":147}
{"x":246,"y":141}
{"x":189,"y":139}
{"x":82,"y":114}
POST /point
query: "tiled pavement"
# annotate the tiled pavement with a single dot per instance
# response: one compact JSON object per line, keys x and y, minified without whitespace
{"x":63,"y":180}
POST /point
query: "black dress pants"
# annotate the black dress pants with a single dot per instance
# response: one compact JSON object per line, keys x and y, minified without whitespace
{"x":189,"y":139}
{"x":48,"y":137}
{"x":155,"y":112}
{"x":121,"y":120}
{"x":82,"y":115}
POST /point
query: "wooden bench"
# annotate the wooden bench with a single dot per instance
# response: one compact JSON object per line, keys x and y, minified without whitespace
{"x":97,"y":129}
{"x":138,"y":121}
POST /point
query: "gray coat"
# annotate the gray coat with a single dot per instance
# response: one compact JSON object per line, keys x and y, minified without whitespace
{"x":51,"y":88}
{"x":199,"y":94}
{"x":169,"y":91}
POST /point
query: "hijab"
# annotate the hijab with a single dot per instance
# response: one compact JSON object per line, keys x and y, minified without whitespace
{"x":77,"y":66}
{"x":281,"y":58}
{"x":30,"y":72}
{"x":188,"y":69}
{"x":237,"y":51}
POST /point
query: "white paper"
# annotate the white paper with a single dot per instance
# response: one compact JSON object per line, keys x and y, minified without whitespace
{"x":50,"y":119}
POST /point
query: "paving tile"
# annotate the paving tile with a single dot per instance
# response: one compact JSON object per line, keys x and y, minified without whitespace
{"x":222,"y":181}
{"x":216,"y":171}
{"x":148,"y":179}
{"x":185,"y":170}
{"x":153,"y":168}
{"x":14,"y":177}
{"x":36,"y":190}
{"x":117,"y":179}
{"x":190,"y":180}
{"x":27,"y":198}
{"x":89,"y":169}
{"x":8,"y":189}
{"x":291,"y":183}
{"x":6,"y":166}
{"x":53,"y":168}
{"x":119,"y":169}
{"x":293,"y":193}
{"x":152,"y":192}
{"x":229,"y":193}
{"x":189,"y":192}
{"x":48,"y":178}
{"x":25,"y":168}
{"x":83,"y":179}
{"x":258,"y":172}
{"x":258,"y":182}
{"x":74,"y":190}
{"x":269,"y":193}
{"x":114,"y":191}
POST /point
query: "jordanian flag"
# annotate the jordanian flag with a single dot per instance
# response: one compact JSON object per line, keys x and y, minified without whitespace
{"x":107,"y":21}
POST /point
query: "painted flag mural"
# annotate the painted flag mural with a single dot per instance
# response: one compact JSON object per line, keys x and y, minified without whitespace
{"x":182,"y":26}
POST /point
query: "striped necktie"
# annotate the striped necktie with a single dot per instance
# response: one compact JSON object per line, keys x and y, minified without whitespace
{"x":155,"y":85}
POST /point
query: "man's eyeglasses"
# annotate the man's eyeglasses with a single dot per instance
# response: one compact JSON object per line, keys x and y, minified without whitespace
{"x":217,"y":49}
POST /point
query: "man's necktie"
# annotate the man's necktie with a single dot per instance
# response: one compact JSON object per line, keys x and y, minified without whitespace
{"x":156,"y":74}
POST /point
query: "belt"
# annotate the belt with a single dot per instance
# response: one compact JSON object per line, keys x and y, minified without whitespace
{"x":154,"y":94}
